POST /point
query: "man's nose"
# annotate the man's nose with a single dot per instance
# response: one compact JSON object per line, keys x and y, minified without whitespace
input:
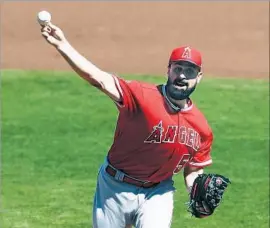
{"x":182,"y":76}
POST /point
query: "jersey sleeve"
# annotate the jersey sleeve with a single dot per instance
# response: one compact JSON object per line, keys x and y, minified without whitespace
{"x":131,"y":93}
{"x":202,"y":157}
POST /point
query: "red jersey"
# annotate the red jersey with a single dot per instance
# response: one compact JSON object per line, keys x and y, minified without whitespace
{"x":151,"y":143}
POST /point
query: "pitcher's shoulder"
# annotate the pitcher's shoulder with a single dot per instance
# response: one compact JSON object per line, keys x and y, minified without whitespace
{"x":148,"y":85}
{"x":142,"y":84}
{"x":147,"y":88}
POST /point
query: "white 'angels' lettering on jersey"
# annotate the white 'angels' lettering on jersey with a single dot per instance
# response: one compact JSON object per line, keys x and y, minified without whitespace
{"x":170,"y":134}
{"x":187,"y":136}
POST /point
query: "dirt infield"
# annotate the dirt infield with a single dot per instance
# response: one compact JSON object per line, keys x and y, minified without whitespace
{"x":137,"y":37}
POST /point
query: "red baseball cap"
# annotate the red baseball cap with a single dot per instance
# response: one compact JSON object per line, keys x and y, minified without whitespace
{"x":186,"y":53}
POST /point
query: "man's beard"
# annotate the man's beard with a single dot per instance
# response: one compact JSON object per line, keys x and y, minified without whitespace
{"x":178,"y":94}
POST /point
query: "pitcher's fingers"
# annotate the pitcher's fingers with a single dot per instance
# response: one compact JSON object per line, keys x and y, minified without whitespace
{"x":47,"y":29}
{"x":52,"y":26}
{"x":52,"y":40}
{"x":45,"y":34}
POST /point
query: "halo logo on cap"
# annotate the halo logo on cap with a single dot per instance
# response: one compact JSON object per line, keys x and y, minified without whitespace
{"x":187,"y":53}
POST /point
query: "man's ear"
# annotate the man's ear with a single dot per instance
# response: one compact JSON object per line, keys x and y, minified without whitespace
{"x":168,"y":70}
{"x":199,"y":77}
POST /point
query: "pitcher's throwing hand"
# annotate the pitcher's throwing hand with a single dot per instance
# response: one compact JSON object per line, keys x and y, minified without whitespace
{"x":53,"y":35}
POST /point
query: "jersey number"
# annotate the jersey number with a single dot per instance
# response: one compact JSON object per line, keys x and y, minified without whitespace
{"x":184,"y":159}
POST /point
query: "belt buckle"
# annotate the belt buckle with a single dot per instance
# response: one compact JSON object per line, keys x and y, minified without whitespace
{"x":145,"y":184}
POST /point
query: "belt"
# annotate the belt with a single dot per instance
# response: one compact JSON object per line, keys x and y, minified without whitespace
{"x":127,"y":179}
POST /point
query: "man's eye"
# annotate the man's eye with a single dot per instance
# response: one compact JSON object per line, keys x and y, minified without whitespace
{"x":178,"y":70}
{"x":189,"y":71}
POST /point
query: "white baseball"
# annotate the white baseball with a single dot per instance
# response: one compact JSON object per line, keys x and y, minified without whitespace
{"x":44,"y":17}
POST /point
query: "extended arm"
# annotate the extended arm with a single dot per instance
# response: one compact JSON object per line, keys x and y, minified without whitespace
{"x":84,"y":68}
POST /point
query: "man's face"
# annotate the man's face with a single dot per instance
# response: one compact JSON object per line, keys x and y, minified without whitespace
{"x":183,"y":77}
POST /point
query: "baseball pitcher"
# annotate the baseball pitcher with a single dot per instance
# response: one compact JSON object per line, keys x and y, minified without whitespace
{"x":159,"y":133}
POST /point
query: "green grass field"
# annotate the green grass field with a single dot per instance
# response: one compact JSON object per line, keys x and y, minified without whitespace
{"x":56,"y":130}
